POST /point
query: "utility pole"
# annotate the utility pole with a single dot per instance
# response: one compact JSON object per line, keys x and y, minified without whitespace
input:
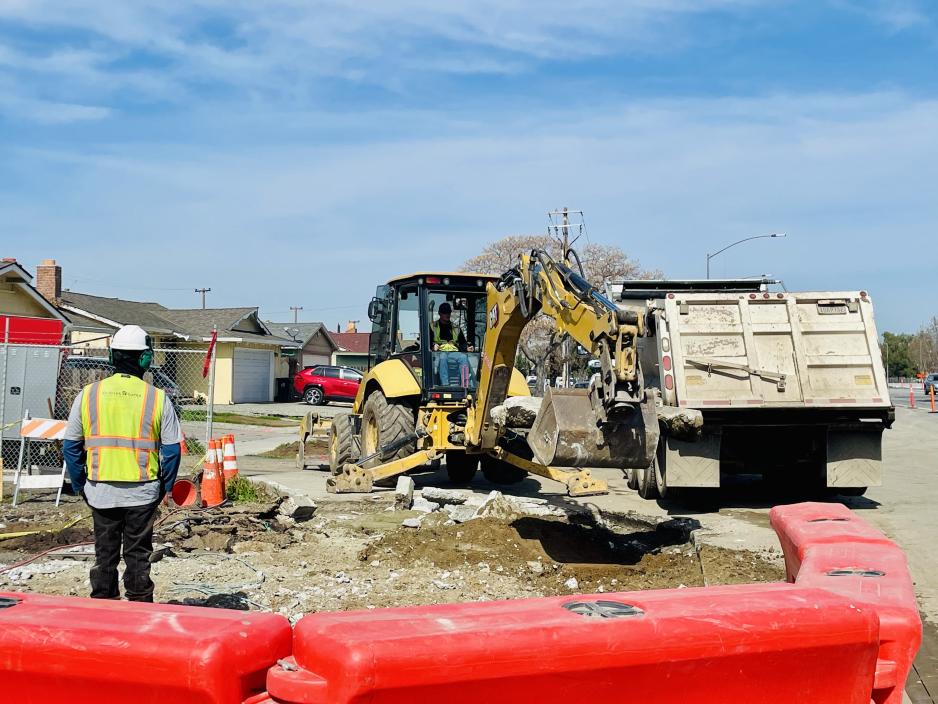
{"x":203,"y":291}
{"x":296,"y":312}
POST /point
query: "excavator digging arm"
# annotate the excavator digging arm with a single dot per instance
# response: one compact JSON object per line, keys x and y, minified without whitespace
{"x":613,"y":423}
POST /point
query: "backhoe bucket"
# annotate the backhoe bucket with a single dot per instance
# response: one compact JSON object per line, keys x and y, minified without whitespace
{"x":565,"y":433}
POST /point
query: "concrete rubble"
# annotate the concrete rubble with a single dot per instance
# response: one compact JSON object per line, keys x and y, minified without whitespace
{"x":297,"y":507}
{"x":404,"y":493}
{"x":517,"y":412}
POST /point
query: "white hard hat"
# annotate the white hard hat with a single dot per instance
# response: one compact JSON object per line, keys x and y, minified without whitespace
{"x":130,"y":337}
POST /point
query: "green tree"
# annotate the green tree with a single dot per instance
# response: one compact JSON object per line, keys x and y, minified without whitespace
{"x":895,"y":349}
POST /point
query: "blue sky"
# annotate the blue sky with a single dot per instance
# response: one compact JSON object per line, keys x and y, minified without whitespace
{"x":297,"y":153}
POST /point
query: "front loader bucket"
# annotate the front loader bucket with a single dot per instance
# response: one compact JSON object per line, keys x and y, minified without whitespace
{"x":565,"y":433}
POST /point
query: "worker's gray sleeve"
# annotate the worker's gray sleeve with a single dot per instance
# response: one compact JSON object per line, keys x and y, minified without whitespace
{"x":170,"y":431}
{"x":73,"y":429}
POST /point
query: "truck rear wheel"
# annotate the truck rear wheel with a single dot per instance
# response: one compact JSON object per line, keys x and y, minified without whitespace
{"x":647,"y":486}
{"x":344,"y":443}
{"x":383,"y":423}
{"x":461,"y":467}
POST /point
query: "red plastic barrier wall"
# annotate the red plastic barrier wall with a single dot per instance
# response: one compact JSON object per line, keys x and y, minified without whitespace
{"x":742,"y":644}
{"x":852,"y":558}
{"x":84,"y":651}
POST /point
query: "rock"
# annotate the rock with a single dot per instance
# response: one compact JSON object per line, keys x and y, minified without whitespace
{"x":517,"y":412}
{"x":343,"y":578}
{"x":424,"y":506}
{"x":404,"y":493}
{"x":536,"y":567}
{"x":439,"y":584}
{"x":411,"y":523}
{"x":298,"y":507}
{"x":498,"y":507}
{"x":682,"y":423}
{"x":572,"y":584}
{"x":461,"y":514}
{"x":444,"y":496}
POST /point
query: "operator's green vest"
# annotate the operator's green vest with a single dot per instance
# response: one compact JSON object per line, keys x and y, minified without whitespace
{"x":120,"y":420}
{"x":445,"y":345}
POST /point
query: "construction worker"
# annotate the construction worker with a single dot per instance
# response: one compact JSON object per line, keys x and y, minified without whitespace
{"x":450,"y":342}
{"x":122,"y":450}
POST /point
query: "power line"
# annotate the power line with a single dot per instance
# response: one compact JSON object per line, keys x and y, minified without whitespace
{"x":296,"y":312}
{"x":203,"y":291}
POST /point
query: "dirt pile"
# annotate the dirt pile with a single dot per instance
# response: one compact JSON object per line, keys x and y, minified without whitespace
{"x":357,"y":554}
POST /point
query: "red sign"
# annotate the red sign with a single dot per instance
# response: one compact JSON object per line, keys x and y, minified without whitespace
{"x":24,"y":330}
{"x":208,"y":354}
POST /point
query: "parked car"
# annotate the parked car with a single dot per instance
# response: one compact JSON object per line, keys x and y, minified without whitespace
{"x":930,"y":382}
{"x":323,"y":383}
{"x":78,"y":372}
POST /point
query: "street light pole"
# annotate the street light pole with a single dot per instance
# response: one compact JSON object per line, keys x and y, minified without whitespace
{"x":745,"y":239}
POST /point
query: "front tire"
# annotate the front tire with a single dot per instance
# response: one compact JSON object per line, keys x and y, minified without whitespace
{"x":344,"y":444}
{"x":385,"y":422}
{"x":647,"y":486}
{"x":313,"y":396}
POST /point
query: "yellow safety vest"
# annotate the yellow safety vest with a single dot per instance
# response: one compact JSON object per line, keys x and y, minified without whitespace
{"x":445,"y":345}
{"x":120,"y":420}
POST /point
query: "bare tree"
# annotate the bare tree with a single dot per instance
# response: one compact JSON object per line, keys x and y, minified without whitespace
{"x":540,"y":342}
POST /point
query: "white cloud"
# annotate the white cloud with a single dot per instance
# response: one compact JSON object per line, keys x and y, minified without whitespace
{"x":847,"y":176}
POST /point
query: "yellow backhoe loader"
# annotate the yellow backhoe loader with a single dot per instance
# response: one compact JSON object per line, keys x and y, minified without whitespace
{"x":421,"y":400}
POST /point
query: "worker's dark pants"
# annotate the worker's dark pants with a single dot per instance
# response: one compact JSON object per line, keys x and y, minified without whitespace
{"x":132,"y":527}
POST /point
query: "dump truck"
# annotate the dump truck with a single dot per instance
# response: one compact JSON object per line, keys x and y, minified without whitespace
{"x":790,"y":385}
{"x":419,"y":404}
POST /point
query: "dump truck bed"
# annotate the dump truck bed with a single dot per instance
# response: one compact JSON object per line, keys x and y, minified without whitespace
{"x":768,"y":349}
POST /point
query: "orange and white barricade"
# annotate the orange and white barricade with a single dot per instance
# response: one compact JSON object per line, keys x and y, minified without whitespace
{"x":38,"y":430}
{"x":229,"y":458}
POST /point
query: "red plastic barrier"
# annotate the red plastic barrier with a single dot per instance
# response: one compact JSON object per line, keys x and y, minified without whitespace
{"x":801,"y":525}
{"x":84,"y":651}
{"x":870,"y":570}
{"x":752,"y":643}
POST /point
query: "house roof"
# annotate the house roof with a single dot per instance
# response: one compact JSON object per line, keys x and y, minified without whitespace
{"x":118,"y":311}
{"x":234,"y":324}
{"x":352,"y":342}
{"x":18,"y":276}
{"x":306,"y":331}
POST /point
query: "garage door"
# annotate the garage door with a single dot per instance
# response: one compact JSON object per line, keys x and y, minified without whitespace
{"x":252,"y":382}
{"x":311,"y":360}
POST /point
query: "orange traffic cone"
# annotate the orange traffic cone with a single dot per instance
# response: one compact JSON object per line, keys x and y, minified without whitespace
{"x":229,"y":459}
{"x":213,"y":483}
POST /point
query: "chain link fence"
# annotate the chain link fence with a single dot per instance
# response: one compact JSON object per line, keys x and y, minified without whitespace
{"x":44,"y":380}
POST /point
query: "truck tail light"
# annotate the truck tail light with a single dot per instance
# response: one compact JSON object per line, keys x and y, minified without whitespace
{"x":666,"y":362}
{"x":669,"y":382}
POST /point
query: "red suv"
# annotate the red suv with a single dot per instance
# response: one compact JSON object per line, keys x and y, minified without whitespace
{"x":323,"y":383}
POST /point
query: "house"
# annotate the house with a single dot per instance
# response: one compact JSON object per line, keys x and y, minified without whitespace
{"x":26,"y":315}
{"x":248,"y":358}
{"x":316,"y":345}
{"x":353,"y":348}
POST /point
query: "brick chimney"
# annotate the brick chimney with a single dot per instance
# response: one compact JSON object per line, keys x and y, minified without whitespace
{"x":351,"y":326}
{"x":49,"y":281}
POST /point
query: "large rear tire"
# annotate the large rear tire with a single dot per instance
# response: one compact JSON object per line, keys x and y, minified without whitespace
{"x":385,"y":422}
{"x":344,"y":444}
{"x":461,"y":467}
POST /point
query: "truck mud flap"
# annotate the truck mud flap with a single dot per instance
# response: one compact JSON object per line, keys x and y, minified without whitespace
{"x":692,"y":464}
{"x":854,"y":458}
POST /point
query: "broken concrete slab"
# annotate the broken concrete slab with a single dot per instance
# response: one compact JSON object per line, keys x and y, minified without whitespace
{"x":682,"y":423}
{"x":297,"y":507}
{"x":411,"y":523}
{"x":424,"y":506}
{"x":444,"y":496}
{"x":461,"y":514}
{"x":404,"y":493}
{"x":498,"y":507}
{"x":517,"y":412}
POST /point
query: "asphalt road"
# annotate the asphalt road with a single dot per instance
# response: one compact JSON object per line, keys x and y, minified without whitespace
{"x":900,"y":398}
